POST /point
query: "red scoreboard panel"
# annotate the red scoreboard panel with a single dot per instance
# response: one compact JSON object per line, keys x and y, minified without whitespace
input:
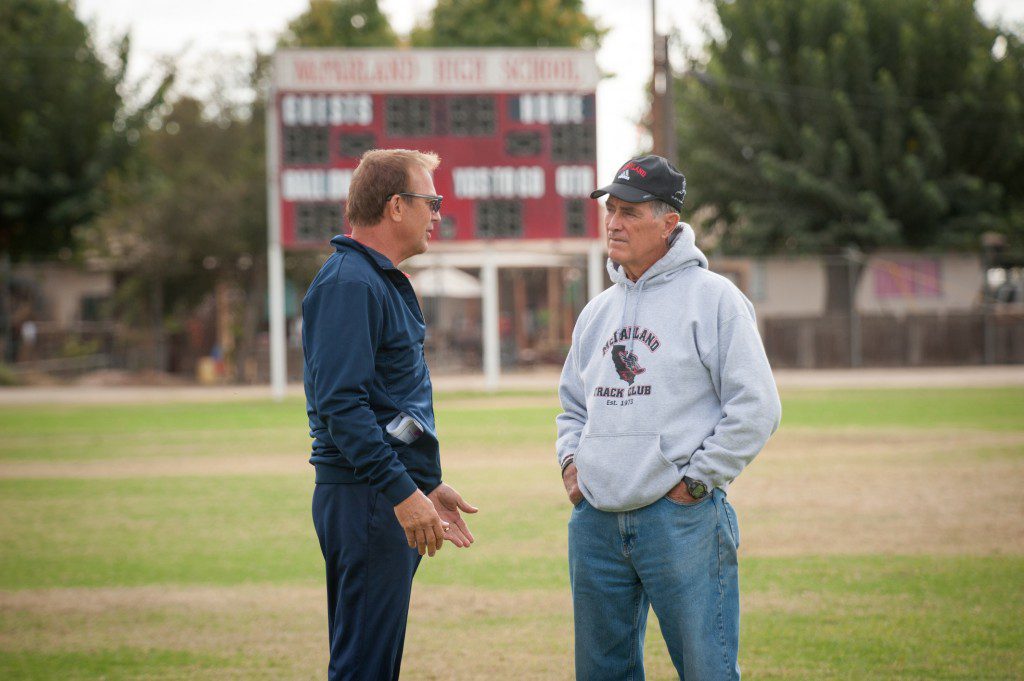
{"x":515,"y":130}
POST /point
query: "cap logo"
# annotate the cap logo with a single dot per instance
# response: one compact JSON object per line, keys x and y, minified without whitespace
{"x":632,"y":166}
{"x":624,"y":175}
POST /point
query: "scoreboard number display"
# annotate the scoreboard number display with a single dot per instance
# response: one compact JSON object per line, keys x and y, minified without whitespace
{"x":515,"y":130}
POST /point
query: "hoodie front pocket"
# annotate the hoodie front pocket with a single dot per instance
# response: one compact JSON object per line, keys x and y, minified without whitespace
{"x":623,"y":472}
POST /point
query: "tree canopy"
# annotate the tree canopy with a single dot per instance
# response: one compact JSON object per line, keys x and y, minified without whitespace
{"x":189,"y":214}
{"x":63,"y":124}
{"x":508,"y":23}
{"x":814,"y":125}
{"x":340,"y":23}
{"x":192,"y":205}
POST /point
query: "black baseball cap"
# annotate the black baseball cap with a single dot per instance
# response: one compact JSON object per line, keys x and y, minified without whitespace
{"x":647,"y":178}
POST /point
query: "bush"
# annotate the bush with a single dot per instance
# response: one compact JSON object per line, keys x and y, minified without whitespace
{"x":8,"y":376}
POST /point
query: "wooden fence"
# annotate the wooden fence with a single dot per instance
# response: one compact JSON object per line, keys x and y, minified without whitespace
{"x":889,"y":340}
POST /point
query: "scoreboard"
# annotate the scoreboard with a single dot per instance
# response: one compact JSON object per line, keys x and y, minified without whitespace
{"x":515,"y":130}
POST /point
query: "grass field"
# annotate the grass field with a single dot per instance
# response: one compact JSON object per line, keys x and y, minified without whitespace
{"x":882,"y":538}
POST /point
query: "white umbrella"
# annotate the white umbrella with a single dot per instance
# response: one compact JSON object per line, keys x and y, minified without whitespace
{"x":446,"y":282}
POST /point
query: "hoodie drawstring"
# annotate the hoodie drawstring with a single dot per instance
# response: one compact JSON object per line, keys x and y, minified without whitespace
{"x":639,"y":288}
{"x":636,"y":313}
{"x":625,"y":307}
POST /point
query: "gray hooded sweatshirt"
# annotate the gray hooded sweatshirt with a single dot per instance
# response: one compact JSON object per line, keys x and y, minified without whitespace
{"x":666,"y":377}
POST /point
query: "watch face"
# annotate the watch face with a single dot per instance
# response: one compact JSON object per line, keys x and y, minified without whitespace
{"x":697,"y":489}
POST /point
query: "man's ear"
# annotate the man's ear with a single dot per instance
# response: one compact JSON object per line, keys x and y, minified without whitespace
{"x":394,"y":207}
{"x":672,"y":221}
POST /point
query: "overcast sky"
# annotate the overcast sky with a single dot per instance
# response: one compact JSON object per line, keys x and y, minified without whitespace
{"x":194,"y":31}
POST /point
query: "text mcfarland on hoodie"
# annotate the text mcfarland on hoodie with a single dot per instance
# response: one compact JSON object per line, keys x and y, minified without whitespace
{"x":666,"y":377}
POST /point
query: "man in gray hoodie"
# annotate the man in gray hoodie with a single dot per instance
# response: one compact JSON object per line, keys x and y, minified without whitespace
{"x":666,"y":395}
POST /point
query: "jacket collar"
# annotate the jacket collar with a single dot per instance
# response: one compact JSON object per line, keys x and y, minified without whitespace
{"x":344,"y":241}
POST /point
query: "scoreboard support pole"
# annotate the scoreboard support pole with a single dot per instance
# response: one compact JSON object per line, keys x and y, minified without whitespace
{"x":492,"y":337}
{"x":595,"y":269}
{"x":275,"y":261}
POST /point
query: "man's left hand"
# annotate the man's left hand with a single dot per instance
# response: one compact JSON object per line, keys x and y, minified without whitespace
{"x":572,"y":485}
{"x":678,"y":493}
{"x":448,"y":503}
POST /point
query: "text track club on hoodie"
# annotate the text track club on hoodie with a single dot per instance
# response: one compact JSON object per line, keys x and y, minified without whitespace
{"x":666,"y":377}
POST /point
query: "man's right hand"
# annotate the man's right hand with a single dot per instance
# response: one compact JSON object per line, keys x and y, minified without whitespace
{"x":571,"y":486}
{"x":423,"y":527}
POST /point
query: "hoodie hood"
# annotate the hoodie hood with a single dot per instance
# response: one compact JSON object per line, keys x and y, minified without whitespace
{"x":683,"y":253}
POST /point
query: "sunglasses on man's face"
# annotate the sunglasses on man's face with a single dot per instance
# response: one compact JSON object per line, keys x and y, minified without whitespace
{"x":435,"y":201}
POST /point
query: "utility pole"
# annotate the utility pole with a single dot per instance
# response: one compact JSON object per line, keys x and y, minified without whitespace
{"x":854,"y":262}
{"x":7,"y":330}
{"x":993,"y":246}
{"x":656,"y":127}
{"x":663,"y":132}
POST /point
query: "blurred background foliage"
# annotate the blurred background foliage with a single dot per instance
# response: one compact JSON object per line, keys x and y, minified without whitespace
{"x":64,"y":124}
{"x":809,"y":126}
{"x":822,"y":125}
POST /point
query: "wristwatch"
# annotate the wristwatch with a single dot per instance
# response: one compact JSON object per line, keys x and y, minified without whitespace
{"x":696,"y":488}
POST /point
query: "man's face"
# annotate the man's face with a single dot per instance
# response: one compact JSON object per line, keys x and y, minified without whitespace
{"x":636,"y":239}
{"x":418,"y":221}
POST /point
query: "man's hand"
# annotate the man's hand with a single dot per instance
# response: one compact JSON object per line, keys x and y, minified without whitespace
{"x":680,"y":494}
{"x":423,"y":527}
{"x":448,"y":503}
{"x":571,"y":486}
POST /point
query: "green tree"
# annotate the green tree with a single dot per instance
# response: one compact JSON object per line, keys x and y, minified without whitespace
{"x":816,"y":125}
{"x":63,"y":124}
{"x":340,"y":23}
{"x":508,"y":23}
{"x":189,"y":216}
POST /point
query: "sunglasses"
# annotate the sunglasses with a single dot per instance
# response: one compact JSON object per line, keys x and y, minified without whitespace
{"x":435,"y":201}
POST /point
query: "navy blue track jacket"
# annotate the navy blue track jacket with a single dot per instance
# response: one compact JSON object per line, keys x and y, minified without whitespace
{"x":362,"y":335}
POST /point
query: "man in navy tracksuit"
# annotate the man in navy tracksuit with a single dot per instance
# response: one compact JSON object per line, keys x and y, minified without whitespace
{"x":379,"y":503}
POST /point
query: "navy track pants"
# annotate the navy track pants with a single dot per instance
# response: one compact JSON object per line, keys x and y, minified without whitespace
{"x":369,"y":580}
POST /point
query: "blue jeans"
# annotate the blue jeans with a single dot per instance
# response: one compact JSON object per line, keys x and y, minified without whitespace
{"x":680,"y":559}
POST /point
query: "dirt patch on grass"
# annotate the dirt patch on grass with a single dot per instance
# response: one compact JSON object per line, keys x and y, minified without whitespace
{"x":858,"y":444}
{"x":826,"y":492}
{"x":485,"y":633}
{"x":208,"y":599}
{"x":199,"y":466}
{"x":811,"y":492}
{"x":233,"y":464}
{"x":852,"y":492}
{"x":454,"y":633}
{"x":281,"y":623}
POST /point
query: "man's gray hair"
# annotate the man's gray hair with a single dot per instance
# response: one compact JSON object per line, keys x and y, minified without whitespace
{"x":661,"y":209}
